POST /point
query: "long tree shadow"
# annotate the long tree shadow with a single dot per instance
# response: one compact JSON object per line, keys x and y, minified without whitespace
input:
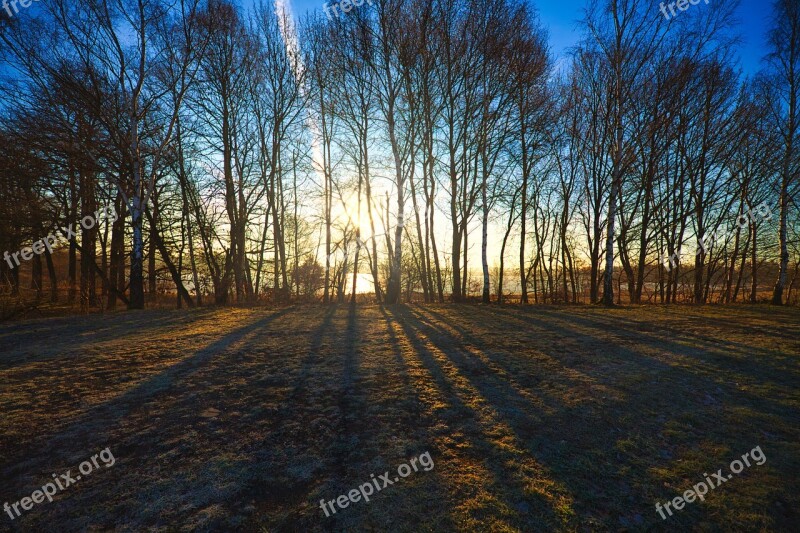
{"x":512,"y":366}
{"x":599,"y":427}
{"x":35,"y":337}
{"x":570,"y":441}
{"x":337,"y":435}
{"x":711,"y":364}
{"x":320,"y":427}
{"x":510,"y":479}
{"x":691,"y":343}
{"x":253,"y":439}
{"x":92,"y":429}
{"x":284,"y":474}
{"x":259,"y":451}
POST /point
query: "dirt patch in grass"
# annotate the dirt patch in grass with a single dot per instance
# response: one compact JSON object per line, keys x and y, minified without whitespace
{"x":538,"y":419}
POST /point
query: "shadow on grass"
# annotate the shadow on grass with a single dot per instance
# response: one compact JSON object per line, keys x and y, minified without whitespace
{"x":36,"y":336}
{"x":510,"y":483}
{"x":92,"y":428}
{"x":563,"y":425}
{"x":667,"y":412}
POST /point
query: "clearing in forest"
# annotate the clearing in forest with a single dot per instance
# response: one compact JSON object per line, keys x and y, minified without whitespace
{"x":545,"y":418}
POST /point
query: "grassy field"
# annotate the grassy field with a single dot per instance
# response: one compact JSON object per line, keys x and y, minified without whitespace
{"x":542,"y":419}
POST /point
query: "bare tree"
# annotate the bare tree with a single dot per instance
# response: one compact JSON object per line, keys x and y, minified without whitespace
{"x":785,"y":75}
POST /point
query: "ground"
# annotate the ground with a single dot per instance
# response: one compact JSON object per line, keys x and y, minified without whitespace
{"x":537,"y":419}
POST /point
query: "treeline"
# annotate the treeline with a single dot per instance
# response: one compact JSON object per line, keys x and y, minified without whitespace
{"x":249,"y":157}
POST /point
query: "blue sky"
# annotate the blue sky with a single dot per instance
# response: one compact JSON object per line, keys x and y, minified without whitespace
{"x":560,"y":17}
